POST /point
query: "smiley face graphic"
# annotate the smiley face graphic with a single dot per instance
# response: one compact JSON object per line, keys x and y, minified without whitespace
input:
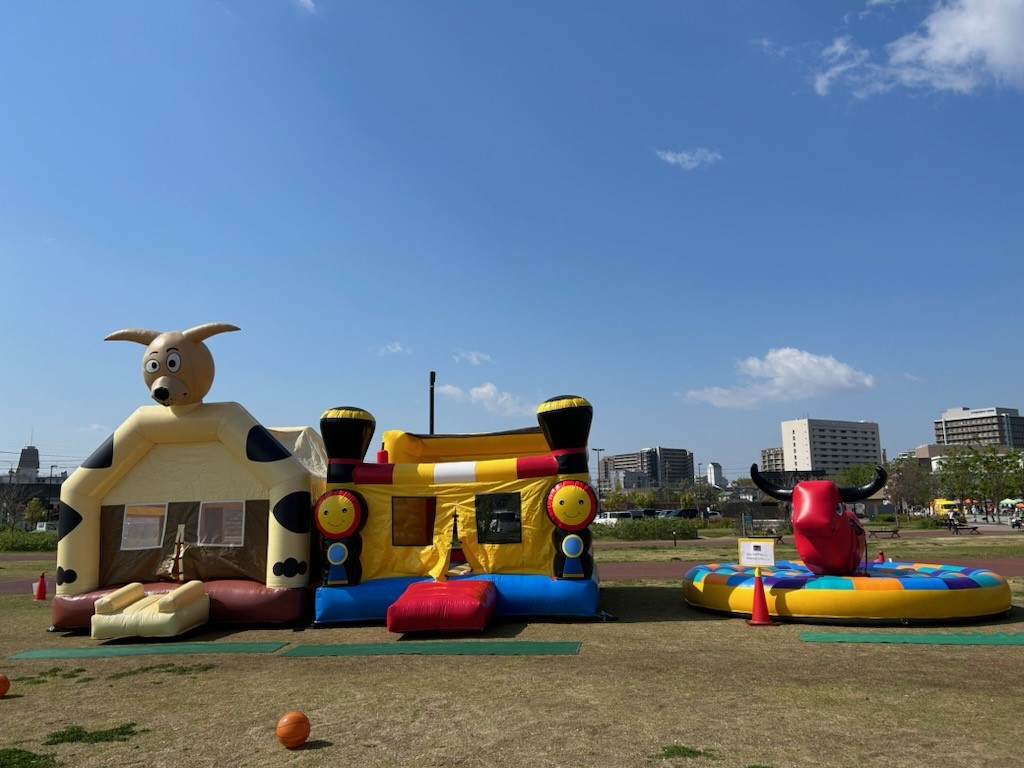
{"x":338,"y":514}
{"x":571,"y":505}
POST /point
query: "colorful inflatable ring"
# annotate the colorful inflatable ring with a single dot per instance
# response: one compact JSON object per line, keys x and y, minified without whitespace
{"x":887,"y":592}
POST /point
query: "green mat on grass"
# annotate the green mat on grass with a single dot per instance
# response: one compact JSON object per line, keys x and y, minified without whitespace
{"x":441,"y":648}
{"x":103,"y":651}
{"x":922,"y":638}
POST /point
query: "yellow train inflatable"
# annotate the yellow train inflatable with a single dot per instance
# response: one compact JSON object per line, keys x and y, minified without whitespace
{"x":497,"y":523}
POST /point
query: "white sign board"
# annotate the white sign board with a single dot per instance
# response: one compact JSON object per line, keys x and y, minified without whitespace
{"x":756,"y":553}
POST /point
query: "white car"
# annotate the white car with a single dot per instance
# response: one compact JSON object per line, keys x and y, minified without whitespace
{"x":611,"y":518}
{"x":712,"y":515}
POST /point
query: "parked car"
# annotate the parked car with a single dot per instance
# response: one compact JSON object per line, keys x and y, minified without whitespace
{"x":687,"y":514}
{"x":712,"y":515}
{"x":611,"y":518}
{"x":45,"y":528}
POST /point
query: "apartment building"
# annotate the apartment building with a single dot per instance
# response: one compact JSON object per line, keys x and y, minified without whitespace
{"x":772,"y":460}
{"x":980,"y":426}
{"x":825,"y":446}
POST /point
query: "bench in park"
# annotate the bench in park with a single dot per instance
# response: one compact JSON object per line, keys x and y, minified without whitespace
{"x":972,"y":528}
{"x":889,"y":533}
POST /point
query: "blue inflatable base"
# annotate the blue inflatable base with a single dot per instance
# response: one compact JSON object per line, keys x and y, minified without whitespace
{"x":518,"y":595}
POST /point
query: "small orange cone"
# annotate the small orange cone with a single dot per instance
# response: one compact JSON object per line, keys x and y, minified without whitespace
{"x":881,"y":557}
{"x":760,"y":617}
{"x":41,"y":587}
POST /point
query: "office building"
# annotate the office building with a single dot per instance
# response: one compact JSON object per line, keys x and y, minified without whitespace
{"x":980,"y":426}
{"x":647,"y":468}
{"x":826,"y":447}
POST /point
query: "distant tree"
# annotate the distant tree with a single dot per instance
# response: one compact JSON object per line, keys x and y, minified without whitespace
{"x":849,"y":477}
{"x":12,"y":500}
{"x":957,"y":474}
{"x":996,"y":473}
{"x":34,"y":512}
{"x":910,"y":483}
{"x":631,"y":498}
{"x":743,"y":482}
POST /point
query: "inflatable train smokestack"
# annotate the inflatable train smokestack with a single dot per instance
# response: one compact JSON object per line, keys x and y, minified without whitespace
{"x":446,"y":531}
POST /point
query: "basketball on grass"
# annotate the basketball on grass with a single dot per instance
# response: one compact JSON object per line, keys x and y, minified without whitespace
{"x":293,"y":729}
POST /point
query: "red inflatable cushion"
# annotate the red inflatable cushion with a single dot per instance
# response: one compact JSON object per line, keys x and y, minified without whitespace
{"x":452,"y":606}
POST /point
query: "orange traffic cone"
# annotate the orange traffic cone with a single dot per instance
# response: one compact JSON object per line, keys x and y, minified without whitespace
{"x":41,"y":587}
{"x":881,"y":557}
{"x":760,"y":617}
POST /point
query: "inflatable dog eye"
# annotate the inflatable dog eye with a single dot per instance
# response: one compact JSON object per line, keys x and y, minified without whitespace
{"x":177,"y":366}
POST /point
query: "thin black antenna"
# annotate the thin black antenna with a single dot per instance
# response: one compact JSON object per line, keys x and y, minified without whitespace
{"x":433,"y":378}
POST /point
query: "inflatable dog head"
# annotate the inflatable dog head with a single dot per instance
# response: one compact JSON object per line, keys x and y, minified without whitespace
{"x":177,"y":366}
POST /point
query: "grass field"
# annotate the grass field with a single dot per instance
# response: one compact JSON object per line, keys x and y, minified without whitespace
{"x":663,"y":686}
{"x":940,"y":549}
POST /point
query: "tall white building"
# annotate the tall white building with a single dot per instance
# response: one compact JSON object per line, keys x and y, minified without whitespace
{"x":824,"y":446}
{"x":715,"y":476}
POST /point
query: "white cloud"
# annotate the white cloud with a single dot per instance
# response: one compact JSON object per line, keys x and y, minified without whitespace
{"x":394,"y":348}
{"x":101,"y":429}
{"x":962,"y":45}
{"x":839,"y":58}
{"x":689,"y":160}
{"x":785,"y":374}
{"x":769,"y":47}
{"x":449,"y":390}
{"x":506,"y":403}
{"x":490,"y":398}
{"x":309,"y":6}
{"x":471,"y":357}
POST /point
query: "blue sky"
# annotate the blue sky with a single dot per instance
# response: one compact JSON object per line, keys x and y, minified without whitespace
{"x":706,"y":218}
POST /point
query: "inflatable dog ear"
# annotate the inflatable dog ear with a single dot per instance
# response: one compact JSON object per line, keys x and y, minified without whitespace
{"x":177,"y":366}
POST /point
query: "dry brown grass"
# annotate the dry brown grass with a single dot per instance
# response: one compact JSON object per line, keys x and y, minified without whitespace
{"x":27,"y":569}
{"x":661,"y":676}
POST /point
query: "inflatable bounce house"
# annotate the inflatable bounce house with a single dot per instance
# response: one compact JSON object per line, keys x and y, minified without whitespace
{"x":190,"y":512}
{"x":446,"y":531}
{"x":833,"y":582}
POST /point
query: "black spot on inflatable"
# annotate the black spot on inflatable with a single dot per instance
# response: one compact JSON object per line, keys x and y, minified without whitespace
{"x":66,"y":577}
{"x":262,"y":446}
{"x":290,"y":567}
{"x":293,"y":512}
{"x":67,"y":520}
{"x":102,"y":457}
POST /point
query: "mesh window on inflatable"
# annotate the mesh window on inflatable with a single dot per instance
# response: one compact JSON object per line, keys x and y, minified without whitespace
{"x":499,"y":518}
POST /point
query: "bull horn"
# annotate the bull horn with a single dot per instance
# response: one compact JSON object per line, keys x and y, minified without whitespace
{"x":861,"y":492}
{"x":782,"y":494}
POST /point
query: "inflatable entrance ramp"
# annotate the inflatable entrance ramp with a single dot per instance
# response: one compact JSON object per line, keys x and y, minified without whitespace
{"x":130,"y":612}
{"x":447,"y":606}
